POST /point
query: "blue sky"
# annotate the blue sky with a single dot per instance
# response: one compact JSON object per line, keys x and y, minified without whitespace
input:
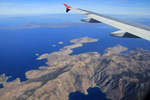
{"x":33,"y":7}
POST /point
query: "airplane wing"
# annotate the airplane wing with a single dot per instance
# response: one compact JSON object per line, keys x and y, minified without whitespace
{"x":127,"y":29}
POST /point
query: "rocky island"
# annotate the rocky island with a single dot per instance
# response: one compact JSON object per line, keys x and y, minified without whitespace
{"x":120,"y":76}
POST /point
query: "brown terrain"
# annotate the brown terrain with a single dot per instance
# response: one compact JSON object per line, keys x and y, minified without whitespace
{"x":121,"y":76}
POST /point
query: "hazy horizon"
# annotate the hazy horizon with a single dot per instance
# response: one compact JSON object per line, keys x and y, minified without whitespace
{"x":34,"y":7}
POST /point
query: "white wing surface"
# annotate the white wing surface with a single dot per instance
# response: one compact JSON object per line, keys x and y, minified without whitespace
{"x":127,"y":29}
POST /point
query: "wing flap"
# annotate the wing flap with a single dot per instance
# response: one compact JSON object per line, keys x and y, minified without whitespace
{"x":90,"y":20}
{"x":122,"y":33}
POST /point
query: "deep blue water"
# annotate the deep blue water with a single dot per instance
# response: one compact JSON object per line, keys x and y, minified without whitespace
{"x":1,"y":86}
{"x":94,"y":93}
{"x":19,"y":46}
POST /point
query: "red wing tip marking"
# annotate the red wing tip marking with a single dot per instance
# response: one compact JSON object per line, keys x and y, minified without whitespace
{"x":67,"y":6}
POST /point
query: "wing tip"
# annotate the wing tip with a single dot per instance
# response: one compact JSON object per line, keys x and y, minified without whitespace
{"x":67,"y":6}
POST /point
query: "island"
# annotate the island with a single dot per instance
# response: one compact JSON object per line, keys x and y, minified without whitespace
{"x":118,"y":75}
{"x":60,"y":42}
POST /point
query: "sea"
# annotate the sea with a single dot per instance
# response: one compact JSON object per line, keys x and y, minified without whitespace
{"x":19,"y":45}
